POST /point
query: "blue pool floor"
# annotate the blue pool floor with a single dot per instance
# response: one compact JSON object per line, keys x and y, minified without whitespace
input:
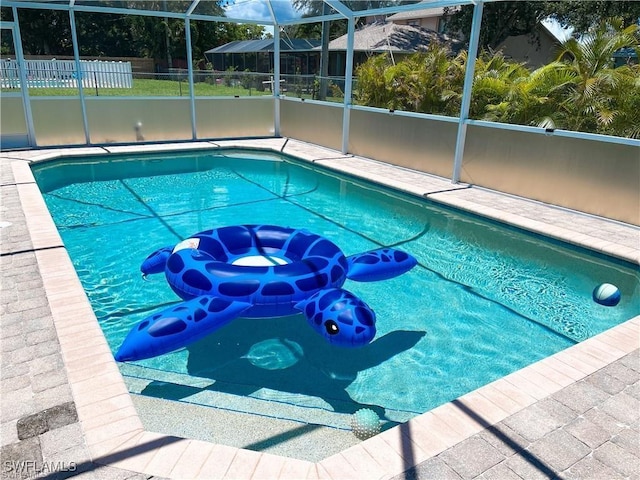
{"x":590,"y":426}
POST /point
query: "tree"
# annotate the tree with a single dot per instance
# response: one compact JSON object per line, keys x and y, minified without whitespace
{"x":503,"y":19}
{"x":500,"y":20}
{"x":314,"y":8}
{"x":45,"y":33}
{"x":581,"y":91}
{"x":164,"y":38}
{"x":583,"y":15}
{"x":596,"y":97}
{"x":529,"y":99}
{"x":425,"y":82}
{"x":48,"y":32}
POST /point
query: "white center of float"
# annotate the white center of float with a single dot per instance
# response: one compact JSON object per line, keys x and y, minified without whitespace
{"x":259,"y":261}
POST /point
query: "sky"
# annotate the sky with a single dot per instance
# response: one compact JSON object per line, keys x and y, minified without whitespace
{"x":258,"y":9}
{"x":558,"y":30}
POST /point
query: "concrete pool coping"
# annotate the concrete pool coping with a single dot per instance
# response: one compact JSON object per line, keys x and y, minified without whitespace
{"x":110,"y":425}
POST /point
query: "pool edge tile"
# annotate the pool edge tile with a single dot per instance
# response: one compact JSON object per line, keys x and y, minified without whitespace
{"x":48,"y":155}
{"x":106,"y":406}
{"x":486,"y":407}
{"x":557,"y":376}
{"x":136,"y":453}
{"x":218,"y":462}
{"x":422,"y":432}
{"x":498,"y":394}
{"x":388,"y":459}
{"x":362,"y":461}
{"x":268,"y":467}
{"x":107,"y":429}
{"x":22,"y":172}
{"x":151,"y":148}
{"x":338,"y":468}
{"x":191,"y":460}
{"x":167,"y":457}
{"x":296,"y":469}
{"x":244,"y":465}
{"x":399,"y":439}
{"x":101,"y":452}
{"x":40,"y":225}
{"x":461,"y":422}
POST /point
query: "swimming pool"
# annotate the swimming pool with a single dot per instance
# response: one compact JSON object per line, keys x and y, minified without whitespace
{"x":484,"y":301}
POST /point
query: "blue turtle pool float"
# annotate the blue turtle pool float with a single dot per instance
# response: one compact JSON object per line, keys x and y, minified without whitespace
{"x":260,"y":271}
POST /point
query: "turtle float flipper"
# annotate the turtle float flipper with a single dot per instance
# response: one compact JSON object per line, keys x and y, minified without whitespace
{"x":178,"y":326}
{"x":156,"y":262}
{"x":380,"y":264}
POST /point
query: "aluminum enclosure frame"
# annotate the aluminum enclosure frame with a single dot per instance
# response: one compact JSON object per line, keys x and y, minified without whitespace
{"x":343,"y":13}
{"x":341,"y":10}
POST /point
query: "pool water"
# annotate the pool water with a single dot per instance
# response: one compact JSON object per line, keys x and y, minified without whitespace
{"x":485,"y":300}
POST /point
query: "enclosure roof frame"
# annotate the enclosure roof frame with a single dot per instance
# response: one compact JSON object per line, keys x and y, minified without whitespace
{"x":344,"y":12}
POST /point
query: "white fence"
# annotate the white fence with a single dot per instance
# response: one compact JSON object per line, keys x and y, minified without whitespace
{"x":63,"y":74}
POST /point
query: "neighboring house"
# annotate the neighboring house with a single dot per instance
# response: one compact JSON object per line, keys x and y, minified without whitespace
{"x":298,"y":56}
{"x":302,"y":57}
{"x":431,"y":18}
{"x":399,"y":34}
{"x":535,"y":49}
{"x":382,"y":37}
{"x":386,"y":37}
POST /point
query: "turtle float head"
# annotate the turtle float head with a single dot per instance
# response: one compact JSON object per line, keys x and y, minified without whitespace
{"x":340,"y":317}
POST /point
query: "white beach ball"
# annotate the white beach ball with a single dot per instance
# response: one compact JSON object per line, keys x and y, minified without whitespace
{"x":607,"y":295}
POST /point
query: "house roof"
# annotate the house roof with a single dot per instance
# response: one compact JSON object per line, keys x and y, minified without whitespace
{"x":377,"y":37}
{"x":266,"y":45}
{"x":422,"y":13}
{"x":391,"y":37}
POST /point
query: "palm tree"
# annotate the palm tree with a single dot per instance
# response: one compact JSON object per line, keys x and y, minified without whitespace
{"x":494,"y":78}
{"x":424,"y":82}
{"x":372,"y":88}
{"x":582,"y":90}
{"x":532,"y":99}
{"x":421,"y":80}
{"x":626,"y":123}
{"x":591,"y":93}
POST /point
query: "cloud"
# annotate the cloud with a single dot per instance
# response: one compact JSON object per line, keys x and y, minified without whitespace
{"x":258,"y":10}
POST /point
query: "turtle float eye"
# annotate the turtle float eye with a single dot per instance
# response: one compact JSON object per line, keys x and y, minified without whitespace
{"x":332,"y":327}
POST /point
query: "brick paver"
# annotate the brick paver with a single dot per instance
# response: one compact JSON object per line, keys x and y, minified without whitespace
{"x":581,"y":432}
{"x":41,"y":436}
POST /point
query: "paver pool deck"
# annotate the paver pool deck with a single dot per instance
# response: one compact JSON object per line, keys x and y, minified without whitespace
{"x":66,"y":410}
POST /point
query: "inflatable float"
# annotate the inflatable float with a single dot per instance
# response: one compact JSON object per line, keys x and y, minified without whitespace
{"x":260,"y":271}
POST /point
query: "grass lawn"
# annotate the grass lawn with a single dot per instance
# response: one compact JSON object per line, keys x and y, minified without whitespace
{"x":160,"y":88}
{"x":148,"y":88}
